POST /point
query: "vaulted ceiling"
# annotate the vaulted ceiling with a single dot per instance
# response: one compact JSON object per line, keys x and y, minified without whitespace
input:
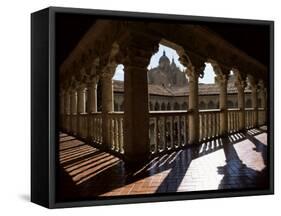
{"x":252,"y":39}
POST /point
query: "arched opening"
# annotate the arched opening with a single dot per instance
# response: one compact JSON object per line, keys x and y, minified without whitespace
{"x":156,"y":107}
{"x":230,"y":104}
{"x":248,"y":103}
{"x":118,"y":87}
{"x":211,"y":105}
{"x":116,"y":107}
{"x":168,"y":106}
{"x":207,"y":88}
{"x":165,"y":77}
{"x":184,"y":106}
{"x":176,"y":106}
{"x":122,"y":106}
{"x":202,"y":105}
{"x":163,"y":106}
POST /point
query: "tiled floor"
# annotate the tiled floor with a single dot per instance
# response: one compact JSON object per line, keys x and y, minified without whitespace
{"x":238,"y":161}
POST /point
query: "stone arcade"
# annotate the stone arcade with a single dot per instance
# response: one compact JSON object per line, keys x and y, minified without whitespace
{"x":144,"y":129}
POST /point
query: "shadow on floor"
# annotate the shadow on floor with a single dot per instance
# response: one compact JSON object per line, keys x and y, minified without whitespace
{"x":85,"y":175}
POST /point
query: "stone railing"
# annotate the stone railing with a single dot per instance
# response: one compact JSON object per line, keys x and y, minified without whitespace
{"x":233,"y":120}
{"x":95,"y":128}
{"x":261,"y":116}
{"x":167,"y":130}
{"x":116,"y":120}
{"x":249,"y":118}
{"x":209,"y":124}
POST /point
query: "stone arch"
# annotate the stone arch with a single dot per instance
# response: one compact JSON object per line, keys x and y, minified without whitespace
{"x":248,"y":103}
{"x":184,"y":106}
{"x":176,"y":106}
{"x":157,"y":106}
{"x":202,"y":105}
{"x":163,"y":106}
{"x":211,"y":105}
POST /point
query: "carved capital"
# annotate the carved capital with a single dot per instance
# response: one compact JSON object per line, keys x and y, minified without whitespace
{"x":193,"y":72}
{"x":252,"y":81}
{"x":240,"y":80}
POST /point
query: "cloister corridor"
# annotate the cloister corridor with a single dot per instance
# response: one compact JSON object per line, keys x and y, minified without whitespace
{"x":238,"y":161}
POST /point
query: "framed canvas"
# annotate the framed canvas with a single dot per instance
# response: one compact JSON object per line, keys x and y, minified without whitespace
{"x":138,"y":107}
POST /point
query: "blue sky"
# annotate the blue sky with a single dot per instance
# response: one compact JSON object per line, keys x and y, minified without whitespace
{"x":170,"y":53}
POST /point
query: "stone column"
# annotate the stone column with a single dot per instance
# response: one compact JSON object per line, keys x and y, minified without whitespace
{"x":81,"y":102}
{"x":253,"y":84}
{"x":193,"y":106}
{"x":136,"y":113}
{"x":67,"y":106}
{"x":262,"y":92}
{"x":73,"y":111}
{"x":221,"y":81}
{"x":62,"y":102}
{"x":81,"y":105}
{"x":240,"y":85}
{"x":92,"y":96}
{"x":107,"y":105}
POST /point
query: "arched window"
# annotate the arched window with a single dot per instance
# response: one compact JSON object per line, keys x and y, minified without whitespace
{"x":202,"y":105}
{"x":116,"y":106}
{"x":211,"y":105}
{"x":168,"y":106}
{"x":122,"y":106}
{"x":157,"y":107}
{"x":184,"y":106}
{"x":230,"y":104}
{"x":163,"y":106}
{"x":176,"y":106}
{"x":249,"y":103}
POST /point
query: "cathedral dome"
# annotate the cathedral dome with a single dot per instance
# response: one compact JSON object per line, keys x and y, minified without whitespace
{"x":164,"y":60}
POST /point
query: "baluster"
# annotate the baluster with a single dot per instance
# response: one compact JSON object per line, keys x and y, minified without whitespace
{"x":121,"y":136}
{"x":117,"y":134}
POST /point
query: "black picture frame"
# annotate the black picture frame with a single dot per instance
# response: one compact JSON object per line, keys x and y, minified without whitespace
{"x":44,"y":110}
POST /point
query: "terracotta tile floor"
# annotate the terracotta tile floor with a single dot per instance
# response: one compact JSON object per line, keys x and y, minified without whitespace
{"x":236,"y":162}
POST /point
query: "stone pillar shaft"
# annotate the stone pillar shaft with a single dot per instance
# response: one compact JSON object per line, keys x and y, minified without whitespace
{"x":67,"y":103}
{"x":241,"y":106}
{"x":73,"y":102}
{"x":255,"y":104}
{"x":81,"y":96}
{"x":193,"y":108}
{"x":136,"y":117}
{"x":107,"y":107}
{"x":92,"y":97}
{"x":223,"y":108}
